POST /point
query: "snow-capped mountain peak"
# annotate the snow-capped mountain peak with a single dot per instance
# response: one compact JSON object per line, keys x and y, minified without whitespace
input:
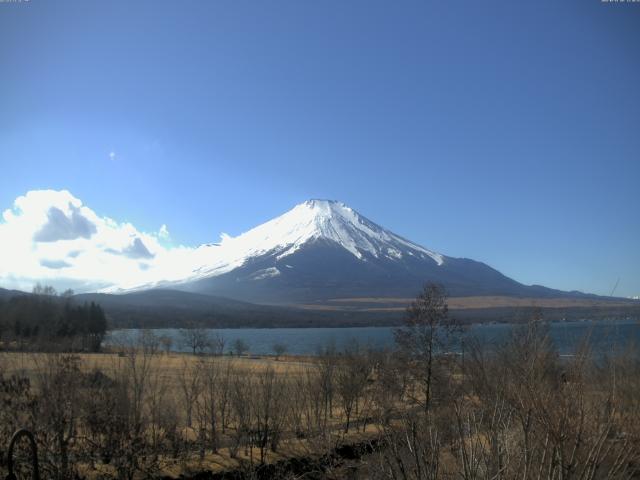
{"x":322,"y":250}
{"x":337,"y":222}
{"x":315,"y":220}
{"x":327,"y":220}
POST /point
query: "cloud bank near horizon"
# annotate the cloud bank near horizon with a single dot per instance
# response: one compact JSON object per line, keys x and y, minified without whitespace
{"x":51,"y":237}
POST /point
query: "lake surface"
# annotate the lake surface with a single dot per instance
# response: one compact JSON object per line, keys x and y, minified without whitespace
{"x":603,"y":336}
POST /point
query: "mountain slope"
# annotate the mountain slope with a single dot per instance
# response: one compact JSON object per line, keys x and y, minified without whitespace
{"x":161,"y":308}
{"x":322,"y":250}
{"x":7,"y":294}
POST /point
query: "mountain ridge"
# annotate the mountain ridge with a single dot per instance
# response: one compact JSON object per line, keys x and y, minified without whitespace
{"x":322,"y":249}
{"x":316,"y":251}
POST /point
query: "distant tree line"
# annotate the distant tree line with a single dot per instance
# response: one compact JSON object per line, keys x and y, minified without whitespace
{"x":46,"y":319}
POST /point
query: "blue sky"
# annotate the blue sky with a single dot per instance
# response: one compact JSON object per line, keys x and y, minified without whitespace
{"x":507,"y":132}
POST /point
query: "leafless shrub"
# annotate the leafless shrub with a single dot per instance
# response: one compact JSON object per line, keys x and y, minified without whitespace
{"x":209,"y":403}
{"x":59,"y":412}
{"x":196,"y":339}
{"x":18,"y":409}
{"x":279,"y":349}
{"x":352,"y":374}
{"x":190,"y":383}
{"x":268,"y":402}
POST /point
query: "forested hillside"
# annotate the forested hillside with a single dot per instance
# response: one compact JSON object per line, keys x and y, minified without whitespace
{"x":47,"y":320}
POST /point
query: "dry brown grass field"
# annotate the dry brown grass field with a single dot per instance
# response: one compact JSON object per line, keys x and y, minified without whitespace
{"x":165,"y":379}
{"x":514,"y":410}
{"x":522,"y":399}
{"x":466,"y":303}
{"x":171,"y":365}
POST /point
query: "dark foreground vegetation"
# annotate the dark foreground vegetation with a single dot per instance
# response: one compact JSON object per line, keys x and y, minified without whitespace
{"x":45,"y":320}
{"x":514,"y":410}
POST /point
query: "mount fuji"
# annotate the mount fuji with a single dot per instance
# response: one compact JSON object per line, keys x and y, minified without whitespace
{"x":323,"y":250}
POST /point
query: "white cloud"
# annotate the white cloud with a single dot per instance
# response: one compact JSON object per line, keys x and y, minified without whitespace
{"x":164,"y":232}
{"x":50,"y":237}
{"x":65,"y":226}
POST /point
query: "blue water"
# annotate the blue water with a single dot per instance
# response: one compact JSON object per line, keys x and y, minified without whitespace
{"x":603,"y":336}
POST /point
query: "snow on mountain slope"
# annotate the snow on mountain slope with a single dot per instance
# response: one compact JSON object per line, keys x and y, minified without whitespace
{"x":322,"y":250}
{"x":313,"y":220}
{"x":307,"y":222}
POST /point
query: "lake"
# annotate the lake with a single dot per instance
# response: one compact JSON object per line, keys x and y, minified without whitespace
{"x":603,"y":336}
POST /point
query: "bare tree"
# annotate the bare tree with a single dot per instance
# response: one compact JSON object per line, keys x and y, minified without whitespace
{"x":217,"y":344}
{"x":328,"y":360}
{"x":128,"y":427}
{"x":314,"y":396}
{"x":390,"y":384}
{"x":45,"y":291}
{"x":241,"y":392}
{"x":190,"y":383}
{"x":351,"y":380}
{"x":208,"y":402}
{"x":425,"y":332}
{"x":224,"y":388}
{"x":411,"y":450}
{"x":149,"y":342}
{"x":240,"y":347}
{"x":195,"y":339}
{"x":279,"y":349}
{"x":267,"y":411}
{"x":59,"y":384}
